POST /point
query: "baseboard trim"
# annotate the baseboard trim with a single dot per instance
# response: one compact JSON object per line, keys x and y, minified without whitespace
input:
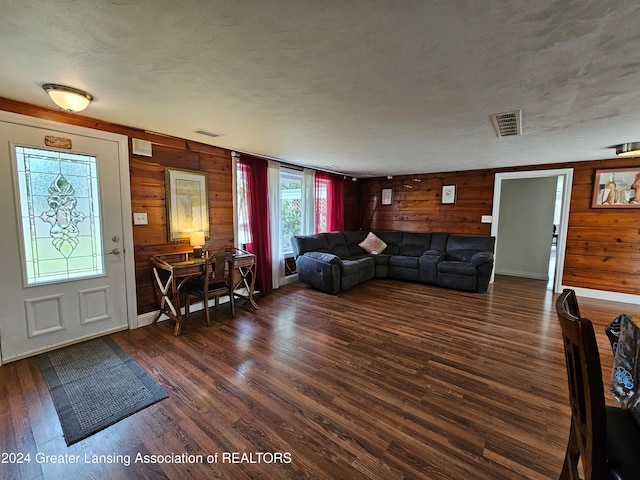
{"x":606,"y":295}
{"x":289,"y":279}
{"x":146,"y":319}
{"x":515,"y":273}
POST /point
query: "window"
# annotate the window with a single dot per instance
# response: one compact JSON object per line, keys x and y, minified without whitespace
{"x":329,"y":203}
{"x":290,"y":207}
{"x":322,"y":224}
{"x":300,"y":203}
{"x":60,"y":215}
{"x":244,"y":232}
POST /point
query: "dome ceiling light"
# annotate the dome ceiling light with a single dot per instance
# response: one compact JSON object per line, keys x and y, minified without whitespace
{"x":68,"y":99}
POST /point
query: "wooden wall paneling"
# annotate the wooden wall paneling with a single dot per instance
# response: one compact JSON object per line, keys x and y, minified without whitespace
{"x":351,"y":205}
{"x":174,"y":158}
{"x":418,"y":208}
{"x":150,"y":195}
{"x":605,"y":265}
{"x":588,"y":234}
{"x":607,"y":250}
{"x":574,"y":276}
{"x":614,"y":221}
{"x":603,"y":245}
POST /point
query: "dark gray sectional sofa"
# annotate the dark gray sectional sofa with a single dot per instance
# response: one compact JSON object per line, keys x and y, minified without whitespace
{"x":334,"y":261}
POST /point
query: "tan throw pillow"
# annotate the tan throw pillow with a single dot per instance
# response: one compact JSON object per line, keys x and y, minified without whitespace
{"x":373,"y":244}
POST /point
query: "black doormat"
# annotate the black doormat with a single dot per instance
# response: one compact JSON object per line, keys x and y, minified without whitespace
{"x":95,"y":384}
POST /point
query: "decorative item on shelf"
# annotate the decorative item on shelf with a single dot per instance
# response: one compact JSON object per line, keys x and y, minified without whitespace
{"x":448,"y":195}
{"x":196,"y":239}
{"x":616,"y":188}
{"x":68,"y":99}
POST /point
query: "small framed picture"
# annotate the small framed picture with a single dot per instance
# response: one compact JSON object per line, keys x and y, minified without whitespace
{"x":387,"y":196}
{"x":448,"y":195}
{"x":186,"y":202}
{"x":616,"y":188}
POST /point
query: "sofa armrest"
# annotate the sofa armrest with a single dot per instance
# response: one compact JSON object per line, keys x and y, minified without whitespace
{"x":429,"y":261}
{"x":324,"y":257}
{"x":480,"y":258}
{"x":320,"y":270}
{"x":434,"y":254}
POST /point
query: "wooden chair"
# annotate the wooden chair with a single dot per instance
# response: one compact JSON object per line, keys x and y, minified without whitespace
{"x":606,"y":440}
{"x":216,"y":281}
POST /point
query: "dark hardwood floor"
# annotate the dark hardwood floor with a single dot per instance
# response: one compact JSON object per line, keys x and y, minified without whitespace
{"x":388,"y":380}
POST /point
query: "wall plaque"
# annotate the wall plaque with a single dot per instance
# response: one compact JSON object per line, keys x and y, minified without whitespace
{"x":58,"y":142}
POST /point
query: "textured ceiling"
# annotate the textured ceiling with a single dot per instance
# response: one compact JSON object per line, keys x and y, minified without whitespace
{"x":364,"y":88}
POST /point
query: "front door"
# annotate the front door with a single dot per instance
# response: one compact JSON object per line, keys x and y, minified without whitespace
{"x":63,"y":266}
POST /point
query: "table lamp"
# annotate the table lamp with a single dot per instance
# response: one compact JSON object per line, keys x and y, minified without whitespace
{"x":196,"y":239}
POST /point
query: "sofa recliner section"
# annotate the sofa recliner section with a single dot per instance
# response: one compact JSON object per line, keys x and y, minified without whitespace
{"x":334,"y":261}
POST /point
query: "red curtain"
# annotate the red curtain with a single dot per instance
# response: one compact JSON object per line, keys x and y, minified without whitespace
{"x":256,"y":192}
{"x":329,"y":195}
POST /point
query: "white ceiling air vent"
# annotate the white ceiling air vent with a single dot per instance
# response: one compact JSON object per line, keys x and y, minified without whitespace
{"x":507,"y":123}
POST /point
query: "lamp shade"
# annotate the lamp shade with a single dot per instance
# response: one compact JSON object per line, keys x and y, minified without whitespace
{"x":196,"y":239}
{"x":68,"y":99}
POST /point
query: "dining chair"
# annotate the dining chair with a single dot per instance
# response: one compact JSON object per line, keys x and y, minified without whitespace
{"x":216,"y":281}
{"x":604,"y":439}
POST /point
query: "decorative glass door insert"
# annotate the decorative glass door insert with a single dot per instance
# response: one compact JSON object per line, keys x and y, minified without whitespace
{"x":60,"y":215}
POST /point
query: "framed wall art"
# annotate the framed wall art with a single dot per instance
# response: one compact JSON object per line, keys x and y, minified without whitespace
{"x":616,"y":188}
{"x":187,"y":203}
{"x":387,"y":196}
{"x":448,"y":195}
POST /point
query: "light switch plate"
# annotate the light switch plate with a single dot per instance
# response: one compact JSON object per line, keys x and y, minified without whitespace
{"x":140,"y":219}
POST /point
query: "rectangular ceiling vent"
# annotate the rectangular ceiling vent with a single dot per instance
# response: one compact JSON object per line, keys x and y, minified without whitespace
{"x":507,"y":123}
{"x":208,"y":134}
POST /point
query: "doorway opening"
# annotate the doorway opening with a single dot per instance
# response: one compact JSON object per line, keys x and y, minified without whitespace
{"x":557,"y":200}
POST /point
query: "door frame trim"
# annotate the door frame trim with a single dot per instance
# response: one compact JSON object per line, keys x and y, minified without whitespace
{"x":125,"y":194}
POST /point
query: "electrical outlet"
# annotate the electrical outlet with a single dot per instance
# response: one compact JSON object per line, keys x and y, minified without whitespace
{"x":140,"y":219}
{"x":486,"y":219}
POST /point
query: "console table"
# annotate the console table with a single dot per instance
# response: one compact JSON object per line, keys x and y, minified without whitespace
{"x":171,"y":271}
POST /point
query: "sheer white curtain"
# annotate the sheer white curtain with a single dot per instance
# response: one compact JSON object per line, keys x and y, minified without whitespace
{"x":277,"y":257}
{"x":242,"y":227}
{"x":308,"y":202}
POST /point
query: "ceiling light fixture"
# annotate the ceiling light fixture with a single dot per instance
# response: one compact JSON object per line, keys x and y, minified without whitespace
{"x":628,"y":149}
{"x":68,"y":99}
